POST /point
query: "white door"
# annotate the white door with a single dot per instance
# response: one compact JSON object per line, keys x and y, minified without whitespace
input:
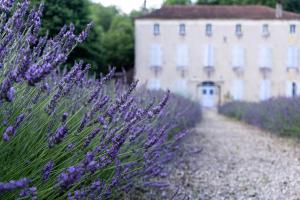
{"x":208,"y":96}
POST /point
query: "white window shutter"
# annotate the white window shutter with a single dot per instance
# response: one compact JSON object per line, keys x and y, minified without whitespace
{"x":181,"y":87}
{"x":292,"y":56}
{"x":289,"y":89}
{"x":238,"y":57}
{"x":208,"y":60}
{"x":238,"y":89}
{"x":206,"y":56}
{"x":182,"y":55}
{"x":155,"y":55}
{"x":153,"y":84}
{"x":265,"y":90}
{"x":265,"y":57}
{"x":211,"y":55}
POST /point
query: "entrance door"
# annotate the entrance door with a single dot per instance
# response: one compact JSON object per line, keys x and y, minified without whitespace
{"x":208,"y":96}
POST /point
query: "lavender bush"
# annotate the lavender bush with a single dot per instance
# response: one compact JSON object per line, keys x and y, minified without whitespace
{"x":68,"y":136}
{"x":278,"y":115}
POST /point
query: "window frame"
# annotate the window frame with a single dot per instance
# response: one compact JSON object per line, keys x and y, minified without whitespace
{"x":208,"y":29}
{"x":156,"y":29}
{"x":238,"y":30}
{"x":293,"y":29}
{"x":182,"y":29}
{"x":265,"y":30}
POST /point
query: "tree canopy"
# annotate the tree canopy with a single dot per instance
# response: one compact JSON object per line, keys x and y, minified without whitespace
{"x":177,"y":2}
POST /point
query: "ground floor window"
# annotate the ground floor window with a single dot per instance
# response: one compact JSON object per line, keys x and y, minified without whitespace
{"x":265,"y":89}
{"x":237,"y":89}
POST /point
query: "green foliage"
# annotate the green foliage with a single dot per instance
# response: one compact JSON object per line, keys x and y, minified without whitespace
{"x":177,"y":2}
{"x":57,"y":13}
{"x":118,"y":43}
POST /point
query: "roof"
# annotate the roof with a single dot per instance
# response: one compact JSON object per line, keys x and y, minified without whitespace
{"x":254,"y":12}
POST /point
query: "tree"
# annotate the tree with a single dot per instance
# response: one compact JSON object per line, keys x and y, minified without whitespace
{"x":292,"y":5}
{"x":118,"y":43}
{"x":177,"y":2}
{"x":57,"y":13}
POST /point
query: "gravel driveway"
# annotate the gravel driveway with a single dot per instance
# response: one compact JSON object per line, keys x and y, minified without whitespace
{"x":225,"y":159}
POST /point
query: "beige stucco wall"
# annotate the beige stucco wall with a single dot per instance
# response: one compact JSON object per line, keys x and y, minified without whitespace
{"x":223,"y":39}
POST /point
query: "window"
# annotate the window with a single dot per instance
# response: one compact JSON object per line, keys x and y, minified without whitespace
{"x":292,"y":29}
{"x":208,"y":60}
{"x":265,"y":89}
{"x":153,"y":84}
{"x":182,"y":30}
{"x":182,"y":56}
{"x":292,"y":56}
{"x":237,"y":89}
{"x":265,"y":57}
{"x":156,"y":29}
{"x":238,"y":57}
{"x":265,"y":30}
{"x":181,"y":87}
{"x":155,"y":55}
{"x":238,"y":30}
{"x":208,"y":30}
{"x":294,"y":89}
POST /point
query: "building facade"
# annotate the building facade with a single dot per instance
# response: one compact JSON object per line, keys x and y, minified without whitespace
{"x":215,"y":54}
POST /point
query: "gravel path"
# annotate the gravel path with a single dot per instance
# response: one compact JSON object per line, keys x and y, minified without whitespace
{"x":225,"y":159}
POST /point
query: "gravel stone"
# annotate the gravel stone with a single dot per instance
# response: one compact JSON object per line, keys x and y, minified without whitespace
{"x":228,"y":160}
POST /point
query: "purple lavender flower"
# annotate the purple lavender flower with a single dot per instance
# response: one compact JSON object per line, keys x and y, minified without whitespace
{"x":68,"y":178}
{"x":58,"y":136}
{"x":10,"y":94}
{"x":14,"y":184}
{"x":47,"y":170}
{"x":90,"y":137}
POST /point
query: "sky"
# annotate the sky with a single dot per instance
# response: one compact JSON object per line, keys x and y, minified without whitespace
{"x":129,"y":5}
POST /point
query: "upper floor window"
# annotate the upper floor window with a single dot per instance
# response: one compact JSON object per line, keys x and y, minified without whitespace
{"x":238,"y":57}
{"x":182,"y":56}
{"x":292,"y":29}
{"x":238,"y":30}
{"x":208,"y":59}
{"x":265,"y":30}
{"x":292,"y":56}
{"x":155,"y":56}
{"x":182,"y":30}
{"x":156,"y":29}
{"x":208,"y":29}
{"x":265,"y":57}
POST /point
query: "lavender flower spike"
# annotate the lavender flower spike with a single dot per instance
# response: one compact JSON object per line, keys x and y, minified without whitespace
{"x":47,"y":170}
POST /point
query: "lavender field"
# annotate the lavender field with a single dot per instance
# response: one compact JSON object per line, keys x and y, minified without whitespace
{"x":68,"y":135}
{"x":278,"y":115}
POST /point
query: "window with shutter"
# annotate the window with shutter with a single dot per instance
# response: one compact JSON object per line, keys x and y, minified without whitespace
{"x":265,"y":30}
{"x":182,"y":56}
{"x":155,"y":55}
{"x":208,"y":56}
{"x":265,"y":89}
{"x":156,"y":29}
{"x":208,"y":30}
{"x":182,"y":30}
{"x":238,"y":57}
{"x":154,"y":84}
{"x":238,"y":30}
{"x":292,"y":57}
{"x":238,"y":89}
{"x":265,"y":57}
{"x":181,"y":87}
{"x":292,"y":29}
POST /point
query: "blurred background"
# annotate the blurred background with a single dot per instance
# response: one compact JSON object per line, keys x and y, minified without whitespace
{"x":111,"y":41}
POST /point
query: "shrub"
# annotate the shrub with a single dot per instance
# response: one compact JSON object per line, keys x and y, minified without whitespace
{"x":278,"y":115}
{"x":65,"y":135}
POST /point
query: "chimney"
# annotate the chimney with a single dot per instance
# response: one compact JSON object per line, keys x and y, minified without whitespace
{"x":279,"y":9}
{"x":144,"y":9}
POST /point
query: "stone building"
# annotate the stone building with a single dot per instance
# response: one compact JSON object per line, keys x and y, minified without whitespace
{"x":215,"y":54}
